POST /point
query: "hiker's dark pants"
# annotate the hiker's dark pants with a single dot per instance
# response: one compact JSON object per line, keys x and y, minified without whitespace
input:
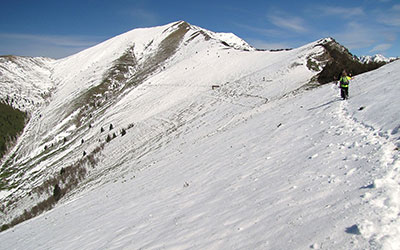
{"x":344,"y":92}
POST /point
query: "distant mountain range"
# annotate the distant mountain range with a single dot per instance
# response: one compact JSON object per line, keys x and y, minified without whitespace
{"x":377,"y":58}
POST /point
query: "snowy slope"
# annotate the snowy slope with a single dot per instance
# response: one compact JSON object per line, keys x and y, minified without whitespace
{"x":255,"y":163}
{"x":79,"y":74}
{"x":25,"y":81}
{"x":325,"y":178}
{"x":199,"y":63}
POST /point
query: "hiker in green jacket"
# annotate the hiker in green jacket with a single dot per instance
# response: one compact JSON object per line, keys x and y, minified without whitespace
{"x":344,"y":85}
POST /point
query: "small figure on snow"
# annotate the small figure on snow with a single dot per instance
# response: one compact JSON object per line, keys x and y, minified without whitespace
{"x":344,"y":85}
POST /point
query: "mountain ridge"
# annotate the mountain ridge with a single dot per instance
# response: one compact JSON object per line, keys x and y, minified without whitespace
{"x":131,"y":105}
{"x":377,"y":58}
{"x":87,"y":94}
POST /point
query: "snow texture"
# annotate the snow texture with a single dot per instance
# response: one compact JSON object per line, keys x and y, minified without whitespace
{"x":256,"y":162}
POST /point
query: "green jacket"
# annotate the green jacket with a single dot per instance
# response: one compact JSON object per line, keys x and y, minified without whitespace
{"x":344,"y":81}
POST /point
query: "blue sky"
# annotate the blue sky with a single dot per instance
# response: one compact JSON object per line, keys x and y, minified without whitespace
{"x":61,"y":28}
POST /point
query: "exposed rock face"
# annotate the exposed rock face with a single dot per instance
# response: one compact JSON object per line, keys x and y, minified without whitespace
{"x":338,"y":58}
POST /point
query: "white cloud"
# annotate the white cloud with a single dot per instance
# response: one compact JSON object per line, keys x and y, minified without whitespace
{"x":260,"y":31}
{"x":381,"y":47}
{"x":261,"y":44}
{"x":66,"y":41}
{"x":289,"y":22}
{"x":389,"y":17}
{"x":54,"y":46}
{"x":342,"y":12}
{"x":356,"y":36}
{"x":366,"y":38}
{"x":144,"y":17}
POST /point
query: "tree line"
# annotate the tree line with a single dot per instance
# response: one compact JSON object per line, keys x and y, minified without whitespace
{"x":12,"y":123}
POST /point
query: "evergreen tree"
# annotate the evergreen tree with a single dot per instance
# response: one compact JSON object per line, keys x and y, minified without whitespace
{"x":12,"y":122}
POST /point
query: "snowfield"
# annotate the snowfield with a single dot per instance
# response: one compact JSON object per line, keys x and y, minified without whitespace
{"x":257,"y":162}
{"x":25,"y":81}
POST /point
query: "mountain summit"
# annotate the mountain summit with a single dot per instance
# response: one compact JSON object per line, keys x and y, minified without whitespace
{"x":128,"y":82}
{"x":179,"y":137}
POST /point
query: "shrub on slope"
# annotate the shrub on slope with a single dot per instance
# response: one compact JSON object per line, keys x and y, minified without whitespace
{"x":12,"y":122}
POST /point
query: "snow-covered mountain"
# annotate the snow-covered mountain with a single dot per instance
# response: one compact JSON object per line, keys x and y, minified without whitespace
{"x":378,"y":58}
{"x":25,"y":81}
{"x":177,"y":137}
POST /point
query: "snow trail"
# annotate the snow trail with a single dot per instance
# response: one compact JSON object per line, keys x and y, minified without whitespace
{"x":381,"y":224}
